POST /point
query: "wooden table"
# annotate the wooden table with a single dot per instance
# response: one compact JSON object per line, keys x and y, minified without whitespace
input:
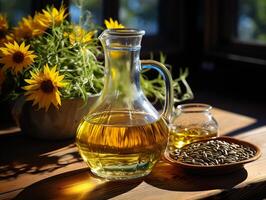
{"x":34,"y":169}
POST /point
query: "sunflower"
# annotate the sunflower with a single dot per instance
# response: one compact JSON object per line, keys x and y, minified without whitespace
{"x":3,"y":27}
{"x":16,"y":57}
{"x":53,"y":16}
{"x":43,"y":88}
{"x":112,"y":24}
{"x":28,"y":28}
{"x":80,"y":35}
{"x":40,"y":21}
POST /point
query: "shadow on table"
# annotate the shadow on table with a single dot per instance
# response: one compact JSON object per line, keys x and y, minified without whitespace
{"x":170,"y":177}
{"x":254,"y":191}
{"x":20,"y":154}
{"x":80,"y":184}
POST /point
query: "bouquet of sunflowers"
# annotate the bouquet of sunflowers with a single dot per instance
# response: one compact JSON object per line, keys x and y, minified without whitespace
{"x":46,"y":58}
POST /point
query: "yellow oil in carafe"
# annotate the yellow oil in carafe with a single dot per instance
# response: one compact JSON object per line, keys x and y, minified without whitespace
{"x":115,"y":148}
{"x":180,"y":137}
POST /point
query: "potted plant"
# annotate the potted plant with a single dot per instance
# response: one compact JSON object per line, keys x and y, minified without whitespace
{"x":54,"y":70}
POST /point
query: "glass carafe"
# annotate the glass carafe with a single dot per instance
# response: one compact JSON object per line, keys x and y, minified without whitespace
{"x":123,"y":135}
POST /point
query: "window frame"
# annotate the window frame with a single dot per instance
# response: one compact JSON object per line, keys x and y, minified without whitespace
{"x":218,"y":31}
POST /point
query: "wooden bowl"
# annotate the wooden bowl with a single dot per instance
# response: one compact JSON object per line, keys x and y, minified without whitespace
{"x":221,"y":168}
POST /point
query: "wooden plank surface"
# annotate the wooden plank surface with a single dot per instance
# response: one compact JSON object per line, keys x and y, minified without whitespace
{"x":59,"y":173}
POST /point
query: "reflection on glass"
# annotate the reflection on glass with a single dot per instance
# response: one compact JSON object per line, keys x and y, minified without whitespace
{"x":80,"y":10}
{"x":15,"y":10}
{"x":251,"y":25}
{"x":141,"y":14}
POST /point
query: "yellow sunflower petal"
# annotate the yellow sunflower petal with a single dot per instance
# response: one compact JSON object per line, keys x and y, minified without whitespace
{"x":31,"y":87}
{"x":58,"y":99}
{"x":27,"y":48}
{"x":112,"y":24}
{"x":53,"y":70}
{"x":22,"y":46}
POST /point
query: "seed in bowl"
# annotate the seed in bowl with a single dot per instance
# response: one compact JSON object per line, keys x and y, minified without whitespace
{"x":213,"y":152}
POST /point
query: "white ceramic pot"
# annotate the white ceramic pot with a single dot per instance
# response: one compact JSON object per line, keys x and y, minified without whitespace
{"x":54,"y":124}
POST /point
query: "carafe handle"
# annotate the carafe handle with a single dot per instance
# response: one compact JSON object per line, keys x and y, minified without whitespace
{"x":168,"y":105}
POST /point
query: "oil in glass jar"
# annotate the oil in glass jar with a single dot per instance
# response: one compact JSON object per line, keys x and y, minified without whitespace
{"x":192,"y":123}
{"x":113,"y":148}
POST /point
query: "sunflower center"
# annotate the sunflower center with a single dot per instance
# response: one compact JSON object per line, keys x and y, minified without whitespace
{"x":47,"y":86}
{"x":18,"y":57}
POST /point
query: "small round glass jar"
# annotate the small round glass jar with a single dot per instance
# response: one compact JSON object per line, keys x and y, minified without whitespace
{"x":190,"y":123}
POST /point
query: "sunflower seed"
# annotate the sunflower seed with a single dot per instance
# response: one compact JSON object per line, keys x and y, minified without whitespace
{"x":213,"y":152}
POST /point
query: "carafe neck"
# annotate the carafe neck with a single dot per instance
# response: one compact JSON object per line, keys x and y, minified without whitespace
{"x":122,"y":63}
{"x":122,"y":71}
